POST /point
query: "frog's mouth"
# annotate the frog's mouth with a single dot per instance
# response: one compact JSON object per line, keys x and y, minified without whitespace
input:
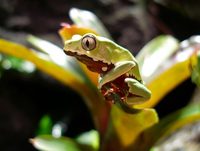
{"x":93,"y":65}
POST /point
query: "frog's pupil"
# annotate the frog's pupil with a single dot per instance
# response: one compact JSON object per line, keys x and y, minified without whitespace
{"x":87,"y":43}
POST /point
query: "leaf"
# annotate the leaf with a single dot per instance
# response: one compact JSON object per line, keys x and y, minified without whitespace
{"x":57,"y":55}
{"x":69,"y":63}
{"x":49,"y":143}
{"x":45,"y":125}
{"x":176,"y":120}
{"x":165,"y":82}
{"x":196,"y":71}
{"x":124,"y":128}
{"x":89,"y":138}
{"x":179,"y":65}
{"x":168,"y":125}
{"x":10,"y":62}
{"x":67,"y":31}
{"x":154,"y":54}
{"x":87,"y":19}
{"x":45,"y":65}
{"x":91,"y":95}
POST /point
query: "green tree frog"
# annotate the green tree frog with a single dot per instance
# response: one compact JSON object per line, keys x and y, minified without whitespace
{"x":117,"y":67}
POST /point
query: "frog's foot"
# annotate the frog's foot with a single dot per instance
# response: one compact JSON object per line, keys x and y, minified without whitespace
{"x":109,"y":92}
{"x":138,"y":92}
{"x":116,"y":72}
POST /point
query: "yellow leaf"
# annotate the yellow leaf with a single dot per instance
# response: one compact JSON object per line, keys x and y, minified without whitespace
{"x":129,"y":126}
{"x":69,"y":30}
{"x":168,"y":80}
{"x":22,"y":52}
{"x":92,"y":97}
{"x":180,"y":123}
{"x":167,"y":126}
{"x":124,"y":128}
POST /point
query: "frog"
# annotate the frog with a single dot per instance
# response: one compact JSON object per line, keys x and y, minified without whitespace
{"x":117,"y":68}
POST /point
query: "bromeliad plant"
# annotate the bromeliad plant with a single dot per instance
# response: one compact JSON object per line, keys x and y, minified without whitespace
{"x":116,"y":127}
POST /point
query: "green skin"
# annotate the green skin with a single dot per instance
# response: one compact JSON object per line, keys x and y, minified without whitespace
{"x":108,"y":52}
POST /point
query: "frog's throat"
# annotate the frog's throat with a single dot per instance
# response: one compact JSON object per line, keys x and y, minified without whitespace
{"x":95,"y":65}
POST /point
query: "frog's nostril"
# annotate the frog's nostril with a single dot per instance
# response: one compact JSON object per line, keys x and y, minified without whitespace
{"x":68,"y":42}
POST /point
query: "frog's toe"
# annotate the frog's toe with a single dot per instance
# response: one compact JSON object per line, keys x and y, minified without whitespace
{"x":138,"y":92}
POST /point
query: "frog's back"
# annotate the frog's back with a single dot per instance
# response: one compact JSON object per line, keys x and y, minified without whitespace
{"x":122,"y":54}
{"x":116,"y":52}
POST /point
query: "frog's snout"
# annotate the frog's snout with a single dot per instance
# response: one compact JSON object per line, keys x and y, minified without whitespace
{"x":68,"y":42}
{"x":67,"y":45}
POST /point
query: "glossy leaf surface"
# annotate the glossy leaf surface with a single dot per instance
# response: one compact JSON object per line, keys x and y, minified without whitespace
{"x":49,"y":143}
{"x":154,"y":54}
{"x":87,"y":19}
{"x":171,"y":73}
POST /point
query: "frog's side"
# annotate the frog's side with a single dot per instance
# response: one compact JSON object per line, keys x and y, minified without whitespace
{"x":117,"y":67}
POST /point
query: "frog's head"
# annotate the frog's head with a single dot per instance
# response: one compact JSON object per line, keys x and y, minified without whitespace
{"x":91,"y":50}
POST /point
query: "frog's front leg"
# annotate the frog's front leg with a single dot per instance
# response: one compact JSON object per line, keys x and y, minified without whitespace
{"x":139,"y":91}
{"x":119,"y":69}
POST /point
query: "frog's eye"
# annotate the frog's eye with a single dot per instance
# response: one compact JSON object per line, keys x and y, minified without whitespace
{"x":88,"y":42}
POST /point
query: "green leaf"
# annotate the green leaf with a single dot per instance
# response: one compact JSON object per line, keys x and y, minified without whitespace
{"x":196,"y":71}
{"x":90,"y":138}
{"x":87,"y":19}
{"x":45,"y":125}
{"x":49,"y":143}
{"x":57,"y":55}
{"x":154,"y":54}
{"x":10,"y":62}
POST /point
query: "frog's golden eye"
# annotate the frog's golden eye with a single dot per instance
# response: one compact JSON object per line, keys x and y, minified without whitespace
{"x":88,"y":42}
